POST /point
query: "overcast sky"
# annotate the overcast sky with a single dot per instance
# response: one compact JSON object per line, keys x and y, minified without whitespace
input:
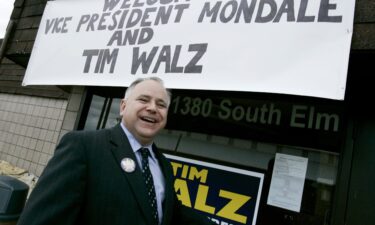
{"x":6,"y":7}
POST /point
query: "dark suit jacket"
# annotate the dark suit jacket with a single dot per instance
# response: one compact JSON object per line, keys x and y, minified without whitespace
{"x":84,"y":184}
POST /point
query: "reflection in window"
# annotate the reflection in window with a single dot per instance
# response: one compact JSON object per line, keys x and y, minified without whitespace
{"x":94,"y":113}
{"x":103,"y":113}
{"x":114,"y":113}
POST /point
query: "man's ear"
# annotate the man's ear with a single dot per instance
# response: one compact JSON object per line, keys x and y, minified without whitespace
{"x":122,"y":106}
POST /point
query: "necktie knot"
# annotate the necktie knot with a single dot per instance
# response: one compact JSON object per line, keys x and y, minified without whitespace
{"x":145,"y":153}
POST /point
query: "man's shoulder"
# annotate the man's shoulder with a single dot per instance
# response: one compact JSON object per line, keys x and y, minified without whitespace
{"x":90,"y":133}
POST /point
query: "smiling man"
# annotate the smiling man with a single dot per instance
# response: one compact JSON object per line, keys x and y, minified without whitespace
{"x":113,"y":176}
{"x":144,"y":109}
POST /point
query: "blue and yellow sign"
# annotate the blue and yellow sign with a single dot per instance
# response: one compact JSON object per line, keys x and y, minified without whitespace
{"x":227,"y":195}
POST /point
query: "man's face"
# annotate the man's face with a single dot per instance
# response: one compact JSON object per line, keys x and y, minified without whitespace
{"x":145,"y":111}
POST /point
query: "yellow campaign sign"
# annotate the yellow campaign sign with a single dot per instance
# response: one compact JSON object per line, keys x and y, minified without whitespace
{"x":226,"y":195}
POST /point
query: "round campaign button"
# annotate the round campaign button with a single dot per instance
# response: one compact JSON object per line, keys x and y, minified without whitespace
{"x":128,"y":165}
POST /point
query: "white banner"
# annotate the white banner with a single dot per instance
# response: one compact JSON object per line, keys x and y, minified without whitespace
{"x":298,"y":47}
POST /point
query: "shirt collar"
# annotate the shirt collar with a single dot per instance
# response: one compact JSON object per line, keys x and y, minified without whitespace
{"x":134,"y":143}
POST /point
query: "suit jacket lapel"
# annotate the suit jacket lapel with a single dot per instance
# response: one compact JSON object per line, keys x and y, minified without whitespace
{"x":121,"y":149}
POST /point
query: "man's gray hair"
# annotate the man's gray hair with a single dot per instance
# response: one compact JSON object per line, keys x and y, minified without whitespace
{"x":140,"y":80}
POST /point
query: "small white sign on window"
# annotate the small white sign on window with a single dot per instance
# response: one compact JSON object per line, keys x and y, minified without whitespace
{"x":288,"y":179}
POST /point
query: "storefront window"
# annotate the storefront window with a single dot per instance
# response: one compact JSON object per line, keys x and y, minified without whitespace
{"x":103,"y":113}
{"x":250,"y":154}
{"x":114,"y":113}
{"x":319,"y":183}
{"x":95,"y":112}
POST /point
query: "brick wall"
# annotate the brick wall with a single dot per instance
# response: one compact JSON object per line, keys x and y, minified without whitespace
{"x":31,"y":127}
{"x":29,"y":130}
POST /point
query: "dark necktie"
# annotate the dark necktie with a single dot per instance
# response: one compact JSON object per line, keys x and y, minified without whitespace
{"x":149,"y":183}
